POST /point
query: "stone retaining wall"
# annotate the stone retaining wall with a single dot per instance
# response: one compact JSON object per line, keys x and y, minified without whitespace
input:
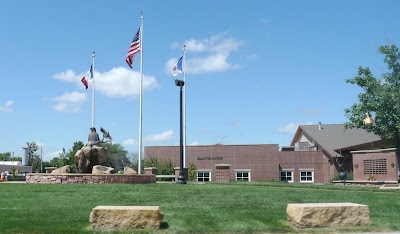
{"x":44,"y":178}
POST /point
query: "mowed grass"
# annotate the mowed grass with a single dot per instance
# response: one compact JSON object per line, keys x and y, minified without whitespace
{"x":193,"y":208}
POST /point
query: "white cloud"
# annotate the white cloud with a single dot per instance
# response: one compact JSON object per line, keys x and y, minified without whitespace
{"x":69,"y":102}
{"x":50,"y":156}
{"x":212,"y":54}
{"x":7,"y":106}
{"x":68,"y":75}
{"x":291,"y":127}
{"x":193,"y":45}
{"x":167,"y":135}
{"x":130,"y":142}
{"x":66,"y":107}
{"x":195,"y":143}
{"x":118,"y":82}
{"x":122,"y":82}
{"x":211,"y":63}
{"x":71,"y":97}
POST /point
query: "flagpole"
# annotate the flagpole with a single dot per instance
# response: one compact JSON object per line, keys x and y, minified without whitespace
{"x":140,"y":101}
{"x":93,"y":89}
{"x":184,"y":105}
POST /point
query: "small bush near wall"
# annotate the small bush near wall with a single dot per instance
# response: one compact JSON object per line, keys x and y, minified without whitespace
{"x":192,"y":172}
{"x":163,"y":167}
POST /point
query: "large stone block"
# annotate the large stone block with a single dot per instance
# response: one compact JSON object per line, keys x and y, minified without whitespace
{"x":309,"y":215}
{"x":126,"y":217}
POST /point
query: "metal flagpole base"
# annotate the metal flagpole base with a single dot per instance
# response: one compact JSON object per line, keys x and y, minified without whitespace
{"x":181,"y":179}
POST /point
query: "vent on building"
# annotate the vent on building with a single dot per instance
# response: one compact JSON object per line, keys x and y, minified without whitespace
{"x":375,"y":166}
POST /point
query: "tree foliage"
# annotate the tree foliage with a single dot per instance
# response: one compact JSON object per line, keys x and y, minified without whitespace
{"x":135,"y":162}
{"x":117,"y":156}
{"x":380,"y":98}
{"x":5,"y":156}
{"x":67,"y":158}
{"x":163,"y":167}
{"x":34,"y":158}
{"x":9,"y":157}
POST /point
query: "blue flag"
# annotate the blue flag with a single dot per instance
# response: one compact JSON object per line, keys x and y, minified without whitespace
{"x":177,"y":68}
{"x":91,"y":71}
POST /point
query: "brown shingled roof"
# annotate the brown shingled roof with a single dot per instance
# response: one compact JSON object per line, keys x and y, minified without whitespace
{"x":335,"y":137}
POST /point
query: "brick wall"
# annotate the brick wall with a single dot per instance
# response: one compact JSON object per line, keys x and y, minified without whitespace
{"x":314,"y":161}
{"x":388,"y":156}
{"x":262,"y":161}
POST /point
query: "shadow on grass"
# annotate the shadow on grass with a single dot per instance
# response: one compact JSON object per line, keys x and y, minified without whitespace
{"x":164,"y":225}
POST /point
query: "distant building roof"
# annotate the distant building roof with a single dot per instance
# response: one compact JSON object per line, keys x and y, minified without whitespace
{"x":335,"y":137}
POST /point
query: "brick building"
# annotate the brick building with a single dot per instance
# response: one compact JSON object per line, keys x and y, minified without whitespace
{"x":315,"y":155}
{"x":379,"y":165}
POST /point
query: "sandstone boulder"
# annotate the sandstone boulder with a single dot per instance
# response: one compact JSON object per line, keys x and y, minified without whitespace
{"x":310,"y":215}
{"x":129,"y":171}
{"x":102,"y":170}
{"x":87,"y":157}
{"x":62,"y":170}
{"x":126,"y":217}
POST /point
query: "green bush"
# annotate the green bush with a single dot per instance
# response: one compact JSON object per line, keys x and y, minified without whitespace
{"x":192,"y":172}
{"x":163,"y":167}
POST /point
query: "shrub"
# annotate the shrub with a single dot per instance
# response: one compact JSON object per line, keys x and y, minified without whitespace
{"x":192,"y":172}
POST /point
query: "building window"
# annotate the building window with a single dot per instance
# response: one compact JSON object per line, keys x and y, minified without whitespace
{"x":242,"y":175}
{"x":303,"y":146}
{"x":287,"y":176}
{"x":375,"y":166}
{"x":203,"y":176}
{"x":307,"y":176}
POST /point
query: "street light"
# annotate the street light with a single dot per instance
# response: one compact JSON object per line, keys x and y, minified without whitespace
{"x":181,"y":177}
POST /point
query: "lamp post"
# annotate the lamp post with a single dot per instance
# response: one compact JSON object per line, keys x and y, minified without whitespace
{"x":181,"y":177}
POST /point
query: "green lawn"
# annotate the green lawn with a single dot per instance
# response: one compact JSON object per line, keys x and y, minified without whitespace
{"x":193,"y":208}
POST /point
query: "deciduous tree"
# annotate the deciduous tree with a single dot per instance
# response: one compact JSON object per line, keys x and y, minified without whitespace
{"x":380,"y":99}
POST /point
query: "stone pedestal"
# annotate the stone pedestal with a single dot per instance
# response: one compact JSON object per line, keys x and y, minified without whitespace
{"x":310,"y":215}
{"x":126,"y":217}
{"x":150,"y":171}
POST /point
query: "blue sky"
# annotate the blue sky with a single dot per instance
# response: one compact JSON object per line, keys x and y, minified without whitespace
{"x":255,"y":69}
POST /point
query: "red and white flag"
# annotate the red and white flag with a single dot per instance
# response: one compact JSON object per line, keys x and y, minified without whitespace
{"x":133,"y":48}
{"x":88,"y":74}
{"x":84,"y":81}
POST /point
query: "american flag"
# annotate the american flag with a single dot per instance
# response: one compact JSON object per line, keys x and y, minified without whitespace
{"x":133,"y":49}
{"x":84,"y":82}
